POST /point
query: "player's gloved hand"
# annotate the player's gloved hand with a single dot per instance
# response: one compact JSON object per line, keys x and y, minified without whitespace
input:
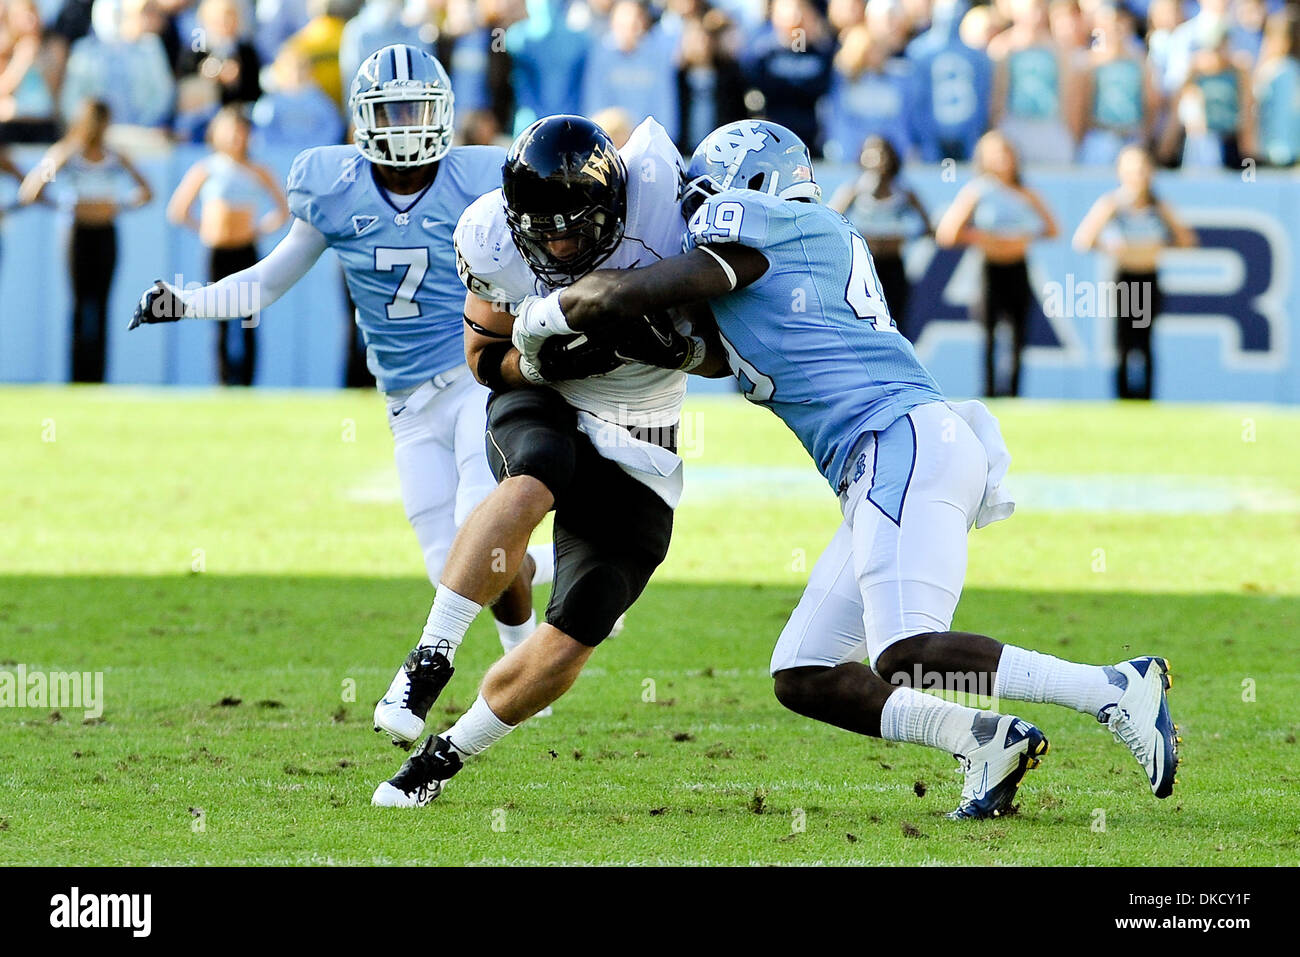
{"x":576,"y":357}
{"x":161,"y":302}
{"x":537,"y":318}
{"x":654,"y":341}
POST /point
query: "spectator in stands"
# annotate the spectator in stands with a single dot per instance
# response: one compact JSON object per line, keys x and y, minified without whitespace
{"x":26,"y":97}
{"x":319,"y":41}
{"x":918,"y":15}
{"x":888,"y":215}
{"x":230,"y":189}
{"x":221,"y":54}
{"x":1204,"y":32}
{"x":379,"y":24}
{"x":873,"y":93}
{"x":295,"y":113}
{"x":1032,"y":86}
{"x":121,"y":64}
{"x":887,"y":24}
{"x":1001,"y":217}
{"x":710,"y":88}
{"x":1117,"y":91}
{"x":472,"y":48}
{"x":91,"y":182}
{"x":478,"y":128}
{"x":547,"y":51}
{"x":70,"y":24}
{"x":981,"y":24}
{"x":1162,"y":19}
{"x":617,"y":122}
{"x":277,"y":21}
{"x":843,"y":14}
{"x":1213,"y":112}
{"x":1247,"y":27}
{"x":1134,"y":228}
{"x":632,"y":67}
{"x":1277,"y":90}
{"x":954,"y":84}
{"x":1072,"y":32}
{"x":790,"y":64}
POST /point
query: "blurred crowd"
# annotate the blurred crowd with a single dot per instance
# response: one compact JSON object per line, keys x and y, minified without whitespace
{"x":1067,"y":81}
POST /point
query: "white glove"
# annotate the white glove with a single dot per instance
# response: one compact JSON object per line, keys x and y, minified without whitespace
{"x":537,"y":318}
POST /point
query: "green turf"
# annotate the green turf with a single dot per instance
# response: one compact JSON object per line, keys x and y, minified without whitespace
{"x":309,"y":583}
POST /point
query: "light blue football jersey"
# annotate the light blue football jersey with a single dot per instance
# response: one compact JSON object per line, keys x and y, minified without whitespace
{"x":812,"y":338}
{"x":397,"y":252}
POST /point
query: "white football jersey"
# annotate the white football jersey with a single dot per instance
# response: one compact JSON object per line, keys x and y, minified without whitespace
{"x":492,"y":268}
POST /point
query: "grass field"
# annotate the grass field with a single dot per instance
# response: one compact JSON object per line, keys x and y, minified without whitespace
{"x":238,"y":567}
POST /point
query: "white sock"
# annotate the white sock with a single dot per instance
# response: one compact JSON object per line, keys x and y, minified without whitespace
{"x":1025,"y":675}
{"x":477,"y":730}
{"x":919,"y":718}
{"x":449,"y":619}
{"x":544,"y":556}
{"x":513,"y":635}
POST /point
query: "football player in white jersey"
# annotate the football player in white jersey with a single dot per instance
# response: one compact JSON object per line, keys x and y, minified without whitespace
{"x":387,"y":206}
{"x":582,"y":426}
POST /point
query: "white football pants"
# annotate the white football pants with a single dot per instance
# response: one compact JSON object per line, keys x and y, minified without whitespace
{"x":897,"y":562}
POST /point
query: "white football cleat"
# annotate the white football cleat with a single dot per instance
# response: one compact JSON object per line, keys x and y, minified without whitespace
{"x":1140,"y":720}
{"x":1008,"y":747}
{"x":416,"y":686}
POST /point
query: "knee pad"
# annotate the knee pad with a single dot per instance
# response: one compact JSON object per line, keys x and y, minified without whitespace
{"x":590,"y":604}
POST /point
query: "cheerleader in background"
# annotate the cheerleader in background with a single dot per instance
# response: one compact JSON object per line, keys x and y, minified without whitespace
{"x":1133,"y":227}
{"x":230,"y":188}
{"x":1001,"y":217}
{"x":887,"y":214}
{"x":91,"y":180}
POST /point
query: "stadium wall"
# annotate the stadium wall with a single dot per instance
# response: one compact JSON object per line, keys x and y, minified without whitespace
{"x":1231,"y":329}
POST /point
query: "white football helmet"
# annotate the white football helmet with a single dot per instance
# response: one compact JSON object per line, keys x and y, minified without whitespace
{"x":402,"y":107}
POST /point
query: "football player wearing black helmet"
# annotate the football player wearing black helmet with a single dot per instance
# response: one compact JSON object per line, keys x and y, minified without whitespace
{"x":565,"y":189}
{"x":579,"y":426}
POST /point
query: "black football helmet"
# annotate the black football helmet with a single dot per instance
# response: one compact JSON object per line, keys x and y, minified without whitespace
{"x":563,"y":179}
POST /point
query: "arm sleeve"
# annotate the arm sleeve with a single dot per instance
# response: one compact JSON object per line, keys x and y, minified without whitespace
{"x":249,"y":290}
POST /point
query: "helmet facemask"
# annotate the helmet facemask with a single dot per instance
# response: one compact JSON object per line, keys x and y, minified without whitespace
{"x":597,"y":229}
{"x":403,"y":123}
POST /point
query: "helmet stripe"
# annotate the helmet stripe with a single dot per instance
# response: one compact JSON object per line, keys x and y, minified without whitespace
{"x":402,"y":68}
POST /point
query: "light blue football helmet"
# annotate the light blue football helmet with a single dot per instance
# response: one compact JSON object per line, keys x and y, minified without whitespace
{"x":402,"y":107}
{"x":750,"y":154}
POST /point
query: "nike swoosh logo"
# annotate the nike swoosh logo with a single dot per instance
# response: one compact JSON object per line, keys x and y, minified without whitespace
{"x":428,"y":223}
{"x":397,"y":412}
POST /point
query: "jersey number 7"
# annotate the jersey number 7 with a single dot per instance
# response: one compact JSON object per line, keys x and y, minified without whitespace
{"x":416,"y":262}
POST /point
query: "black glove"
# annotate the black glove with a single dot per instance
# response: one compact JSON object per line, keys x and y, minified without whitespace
{"x":576,"y":357}
{"x":653,"y":341}
{"x":160,"y":303}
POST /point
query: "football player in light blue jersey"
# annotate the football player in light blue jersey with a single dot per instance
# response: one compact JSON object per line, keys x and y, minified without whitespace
{"x":387,"y":207}
{"x":803,"y":325}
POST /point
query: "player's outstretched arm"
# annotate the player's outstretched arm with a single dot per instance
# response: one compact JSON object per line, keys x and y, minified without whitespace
{"x":240,"y":294}
{"x":703,"y":273}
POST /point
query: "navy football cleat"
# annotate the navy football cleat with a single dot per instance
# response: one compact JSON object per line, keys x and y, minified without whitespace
{"x":1140,"y":720}
{"x":421,"y":777}
{"x":1008,"y":747}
